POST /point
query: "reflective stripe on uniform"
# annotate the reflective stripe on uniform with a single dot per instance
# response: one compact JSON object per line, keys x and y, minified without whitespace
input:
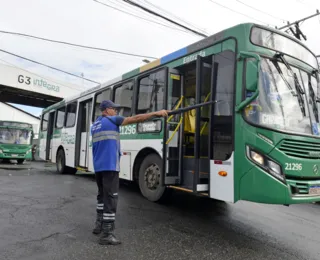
{"x":105,"y":137}
{"x":105,"y":133}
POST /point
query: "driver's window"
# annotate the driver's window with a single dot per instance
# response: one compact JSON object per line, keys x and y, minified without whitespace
{"x":151,"y":92}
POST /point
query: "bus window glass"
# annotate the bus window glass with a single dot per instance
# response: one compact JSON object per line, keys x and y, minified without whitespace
{"x":151,"y":92}
{"x":71,"y":114}
{"x":225,"y":82}
{"x":123,"y":96}
{"x":100,"y":97}
{"x":15,"y":136}
{"x":60,"y":117}
{"x":45,"y":119}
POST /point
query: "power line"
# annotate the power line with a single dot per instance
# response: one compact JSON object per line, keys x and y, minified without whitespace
{"x":163,"y":17}
{"x":48,"y":66}
{"x":169,"y":13}
{"x":237,"y":12}
{"x":77,"y":45}
{"x":137,"y":16}
{"x":134,"y":10}
{"x":260,"y":10}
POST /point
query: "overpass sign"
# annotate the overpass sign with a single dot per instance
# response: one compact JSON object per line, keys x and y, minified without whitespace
{"x":20,"y":86}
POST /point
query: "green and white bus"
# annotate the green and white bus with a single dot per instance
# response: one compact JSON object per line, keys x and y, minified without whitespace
{"x":15,"y":141}
{"x":245,"y":123}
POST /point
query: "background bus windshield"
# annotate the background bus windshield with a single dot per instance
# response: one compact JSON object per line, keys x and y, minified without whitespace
{"x":280,"y":104}
{"x":15,"y":136}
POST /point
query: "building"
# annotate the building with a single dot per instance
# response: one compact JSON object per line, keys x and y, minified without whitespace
{"x":12,"y":113}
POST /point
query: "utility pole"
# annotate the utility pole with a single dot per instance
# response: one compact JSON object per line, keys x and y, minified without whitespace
{"x":298,"y":32}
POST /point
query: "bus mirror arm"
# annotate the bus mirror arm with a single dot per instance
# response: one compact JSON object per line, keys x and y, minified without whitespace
{"x":247,"y":101}
{"x":252,"y":68}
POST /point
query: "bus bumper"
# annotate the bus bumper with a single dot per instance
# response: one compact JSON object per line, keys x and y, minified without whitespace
{"x":258,"y":186}
{"x":15,"y":156}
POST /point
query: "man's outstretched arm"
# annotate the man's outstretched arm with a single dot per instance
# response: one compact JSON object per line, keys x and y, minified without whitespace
{"x":143,"y":117}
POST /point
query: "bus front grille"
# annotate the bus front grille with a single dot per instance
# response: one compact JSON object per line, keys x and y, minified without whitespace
{"x":299,"y":189}
{"x":300,"y":149}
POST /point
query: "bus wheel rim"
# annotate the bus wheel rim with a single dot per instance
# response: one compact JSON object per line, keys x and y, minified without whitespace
{"x":152,"y":176}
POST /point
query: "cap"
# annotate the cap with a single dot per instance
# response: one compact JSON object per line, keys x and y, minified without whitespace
{"x":107,"y":104}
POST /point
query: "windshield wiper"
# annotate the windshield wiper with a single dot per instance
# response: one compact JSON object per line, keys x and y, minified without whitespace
{"x":314,"y":99}
{"x":316,"y":74}
{"x":298,"y":87}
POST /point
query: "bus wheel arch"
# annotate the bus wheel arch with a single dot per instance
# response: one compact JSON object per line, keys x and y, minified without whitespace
{"x":62,"y":168}
{"x":138,"y":161}
{"x":148,"y":170}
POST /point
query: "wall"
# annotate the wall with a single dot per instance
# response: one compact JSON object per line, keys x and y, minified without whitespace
{"x":9,"y":113}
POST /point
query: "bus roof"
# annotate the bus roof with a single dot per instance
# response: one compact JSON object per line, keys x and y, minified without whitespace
{"x":166,"y":59}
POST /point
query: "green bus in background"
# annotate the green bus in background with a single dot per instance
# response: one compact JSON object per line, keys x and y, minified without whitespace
{"x":245,"y":121}
{"x":15,"y":141}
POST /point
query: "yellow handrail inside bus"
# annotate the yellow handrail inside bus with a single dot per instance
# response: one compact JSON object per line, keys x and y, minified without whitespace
{"x":206,"y":99}
{"x":175,"y":130}
{"x":203,"y":127}
{"x":178,"y":105}
{"x":205,"y":124}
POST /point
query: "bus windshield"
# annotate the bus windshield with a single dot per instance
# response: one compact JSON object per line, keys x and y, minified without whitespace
{"x":15,"y":136}
{"x":280,"y":43}
{"x":285,"y":102}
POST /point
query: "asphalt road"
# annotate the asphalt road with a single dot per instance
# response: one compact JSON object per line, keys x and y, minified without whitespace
{"x":48,"y":216}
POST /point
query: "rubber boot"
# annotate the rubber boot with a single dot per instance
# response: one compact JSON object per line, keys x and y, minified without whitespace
{"x":98,"y":225}
{"x":107,"y":236}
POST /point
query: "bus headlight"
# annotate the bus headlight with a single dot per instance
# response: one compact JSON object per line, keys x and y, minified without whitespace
{"x":266,"y":164}
{"x":257,"y":157}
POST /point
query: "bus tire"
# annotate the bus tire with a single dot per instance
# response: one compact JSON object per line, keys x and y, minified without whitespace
{"x":150,"y":179}
{"x":61,"y":162}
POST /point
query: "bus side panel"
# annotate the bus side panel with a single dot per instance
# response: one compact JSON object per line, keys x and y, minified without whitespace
{"x":130,"y":148}
{"x":68,"y":140}
{"x":222,"y":179}
{"x":42,"y":145}
{"x":55,"y":143}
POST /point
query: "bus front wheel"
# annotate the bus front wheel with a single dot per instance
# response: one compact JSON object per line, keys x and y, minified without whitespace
{"x":150,"y":179}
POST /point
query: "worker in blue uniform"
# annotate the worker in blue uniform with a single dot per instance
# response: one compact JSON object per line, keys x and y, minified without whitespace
{"x":106,"y":161}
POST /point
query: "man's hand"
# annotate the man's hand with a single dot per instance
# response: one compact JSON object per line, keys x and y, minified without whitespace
{"x":162,"y":113}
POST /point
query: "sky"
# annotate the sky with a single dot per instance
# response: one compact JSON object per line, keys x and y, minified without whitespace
{"x":88,"y":22}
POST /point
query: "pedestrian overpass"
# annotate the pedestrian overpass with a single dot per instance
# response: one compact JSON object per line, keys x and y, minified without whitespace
{"x":22,"y":87}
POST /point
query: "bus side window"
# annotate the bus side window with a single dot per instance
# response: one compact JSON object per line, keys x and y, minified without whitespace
{"x":60,"y":117}
{"x":223,"y":111}
{"x":104,"y":95}
{"x":151,"y":93}
{"x":225,"y":83}
{"x":71,"y":114}
{"x":123,"y":96}
{"x":44,"y":122}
